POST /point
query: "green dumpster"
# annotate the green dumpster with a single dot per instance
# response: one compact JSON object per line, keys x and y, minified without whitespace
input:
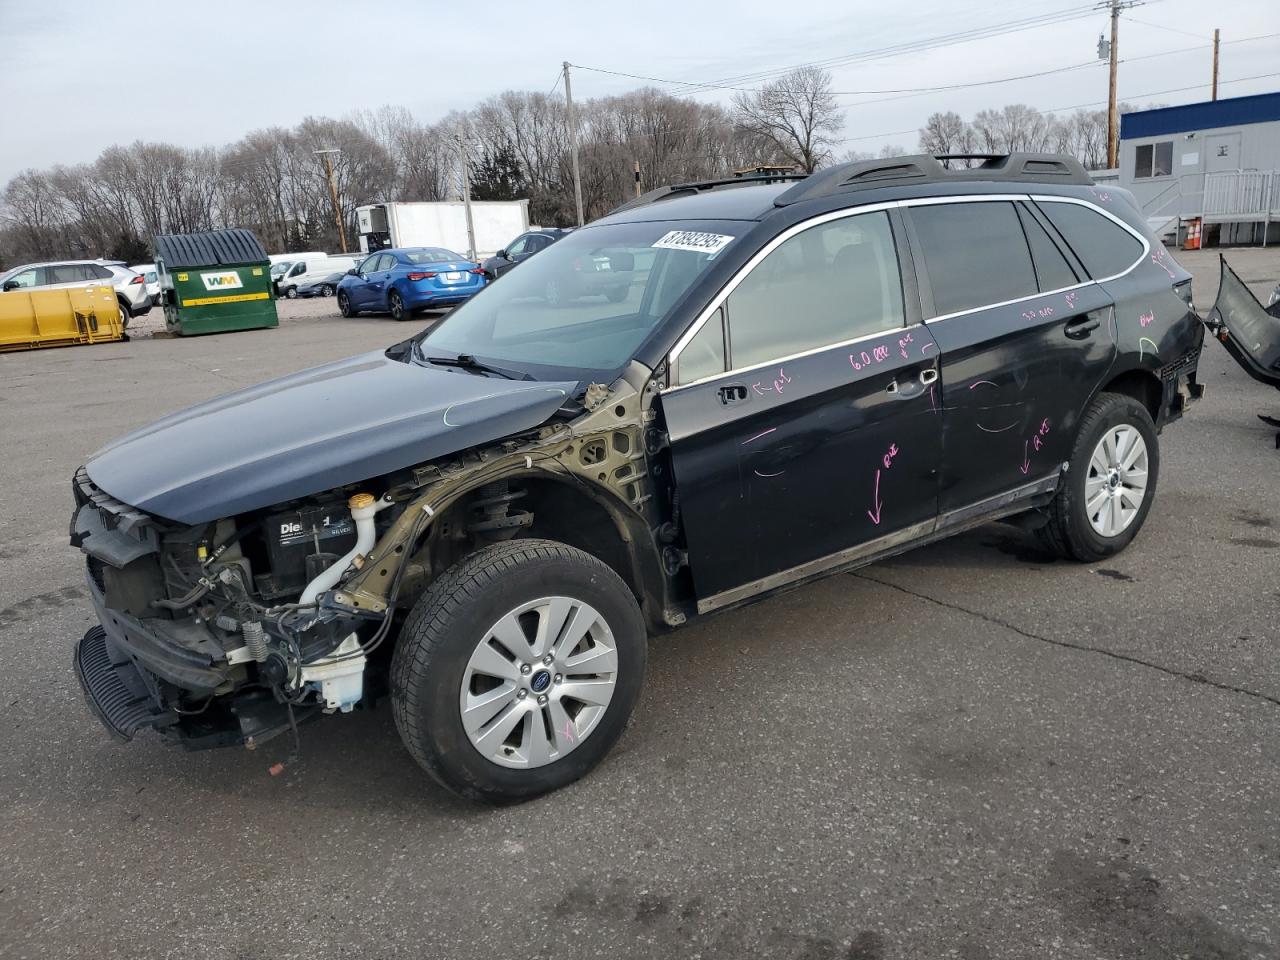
{"x":214,"y":282}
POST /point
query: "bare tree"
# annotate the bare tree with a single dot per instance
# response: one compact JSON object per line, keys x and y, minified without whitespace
{"x":796,"y":117}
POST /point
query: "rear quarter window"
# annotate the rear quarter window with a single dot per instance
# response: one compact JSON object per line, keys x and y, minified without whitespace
{"x":1102,"y":245}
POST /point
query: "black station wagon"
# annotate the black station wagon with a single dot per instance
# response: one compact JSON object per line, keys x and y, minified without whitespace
{"x":485,"y":522}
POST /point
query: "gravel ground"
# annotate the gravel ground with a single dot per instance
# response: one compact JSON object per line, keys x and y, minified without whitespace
{"x":970,"y":751}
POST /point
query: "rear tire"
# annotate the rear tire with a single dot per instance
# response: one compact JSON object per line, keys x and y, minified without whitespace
{"x":291,"y":293}
{"x":478,"y":636}
{"x":126,"y":313}
{"x":326,"y":291}
{"x":395,"y":303}
{"x":618,"y":295}
{"x":344,"y":304}
{"x":1110,"y":485}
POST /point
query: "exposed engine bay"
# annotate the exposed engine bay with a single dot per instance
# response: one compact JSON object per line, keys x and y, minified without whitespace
{"x":234,"y":631}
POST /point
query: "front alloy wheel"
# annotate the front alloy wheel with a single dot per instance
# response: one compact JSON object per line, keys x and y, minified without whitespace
{"x":326,"y":291}
{"x":291,"y":293}
{"x":1117,"y":480}
{"x":517,"y":669}
{"x":344,"y":304}
{"x":538,"y":683}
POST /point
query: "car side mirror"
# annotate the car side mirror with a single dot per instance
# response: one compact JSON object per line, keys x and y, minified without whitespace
{"x":503,"y":255}
{"x":10,"y":285}
{"x":352,"y":272}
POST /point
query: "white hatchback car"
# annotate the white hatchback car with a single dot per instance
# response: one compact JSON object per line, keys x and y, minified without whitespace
{"x":130,"y":287}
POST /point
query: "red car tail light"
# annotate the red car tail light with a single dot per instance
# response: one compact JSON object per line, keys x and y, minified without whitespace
{"x":421,"y":276}
{"x":476,"y":270}
{"x":137,"y":280}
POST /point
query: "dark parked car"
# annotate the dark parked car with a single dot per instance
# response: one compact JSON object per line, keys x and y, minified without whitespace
{"x":400,"y":281}
{"x":324,"y":287}
{"x":488,"y":519}
{"x":519,"y":250}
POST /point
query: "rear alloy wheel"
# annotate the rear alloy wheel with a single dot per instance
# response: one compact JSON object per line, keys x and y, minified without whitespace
{"x":326,"y":291}
{"x":396,"y":305}
{"x":291,"y":293}
{"x":344,"y":304}
{"x":1107,"y":491}
{"x":517,"y":670}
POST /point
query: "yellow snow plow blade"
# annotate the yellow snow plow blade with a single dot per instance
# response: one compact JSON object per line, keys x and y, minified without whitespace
{"x":59,"y":317}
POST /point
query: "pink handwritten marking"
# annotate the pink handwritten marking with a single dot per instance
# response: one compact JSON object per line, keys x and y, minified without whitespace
{"x":760,"y":390}
{"x":1042,"y":312}
{"x":780,"y":380}
{"x":568,"y":730}
{"x":1158,"y":259}
{"x":1100,"y":194}
{"x":933,"y":402}
{"x":888,"y":457}
{"x":1026,"y":460}
{"x":927,"y":347}
{"x":1154,"y":351}
{"x":1146,"y":318}
{"x":978,"y":383}
{"x":768,"y":475}
{"x":763,"y":433}
{"x":880,"y":353}
{"x":902,"y":345}
{"x":1071,"y":301}
{"x":1035,"y":441}
{"x":875,"y":517}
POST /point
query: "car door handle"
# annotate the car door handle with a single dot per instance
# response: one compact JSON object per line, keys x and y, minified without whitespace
{"x":928,"y":375}
{"x":732,"y":393}
{"x":1080,"y":329}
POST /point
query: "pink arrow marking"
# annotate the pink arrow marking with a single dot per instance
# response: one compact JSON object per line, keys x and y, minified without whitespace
{"x":875,"y":517}
{"x":978,"y":383}
{"x":1026,"y":460}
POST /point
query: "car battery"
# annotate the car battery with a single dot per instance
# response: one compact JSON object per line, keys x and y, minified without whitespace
{"x":302,"y":543}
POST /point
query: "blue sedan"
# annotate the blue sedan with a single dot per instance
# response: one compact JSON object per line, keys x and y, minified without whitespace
{"x":411,"y":278}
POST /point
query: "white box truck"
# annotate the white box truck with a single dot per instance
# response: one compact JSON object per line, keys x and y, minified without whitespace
{"x":442,"y":224}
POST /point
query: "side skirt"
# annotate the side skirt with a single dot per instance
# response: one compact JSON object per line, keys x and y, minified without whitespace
{"x":1034,"y":494}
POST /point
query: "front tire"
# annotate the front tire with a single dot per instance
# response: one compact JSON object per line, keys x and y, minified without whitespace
{"x":326,"y":291}
{"x":344,"y":304}
{"x":395,"y":303}
{"x":1108,"y":489}
{"x":291,"y":293}
{"x":517,"y":669}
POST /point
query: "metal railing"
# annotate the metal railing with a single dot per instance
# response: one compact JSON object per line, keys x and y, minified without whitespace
{"x":1242,"y":195}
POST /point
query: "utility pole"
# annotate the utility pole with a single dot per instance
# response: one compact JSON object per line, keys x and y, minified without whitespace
{"x":637,"y":171}
{"x":466,"y":195}
{"x":1113,"y":111}
{"x":333,"y":194}
{"x":573,"y":142}
{"x":1215,"y":64}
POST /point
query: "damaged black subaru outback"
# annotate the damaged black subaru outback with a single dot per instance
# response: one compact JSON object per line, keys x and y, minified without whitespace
{"x":485,"y":522}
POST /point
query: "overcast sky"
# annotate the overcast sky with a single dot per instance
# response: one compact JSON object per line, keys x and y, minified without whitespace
{"x":80,"y":76}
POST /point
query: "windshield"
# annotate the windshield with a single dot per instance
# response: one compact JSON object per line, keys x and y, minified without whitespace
{"x":431,"y":255}
{"x":278,"y":269}
{"x":587,"y":301}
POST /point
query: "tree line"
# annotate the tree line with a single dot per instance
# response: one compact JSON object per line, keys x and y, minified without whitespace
{"x":274,"y":182}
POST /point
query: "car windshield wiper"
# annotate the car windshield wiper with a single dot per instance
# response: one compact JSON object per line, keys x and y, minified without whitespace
{"x":467,"y":362}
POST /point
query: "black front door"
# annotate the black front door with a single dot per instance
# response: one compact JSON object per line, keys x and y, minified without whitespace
{"x":820,"y":430}
{"x":1024,"y":345}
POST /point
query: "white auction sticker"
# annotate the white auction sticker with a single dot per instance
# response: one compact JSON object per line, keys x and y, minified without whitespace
{"x":710,"y":243}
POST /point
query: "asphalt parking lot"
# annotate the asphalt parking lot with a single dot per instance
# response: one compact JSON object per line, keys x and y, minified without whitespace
{"x":970,"y":751}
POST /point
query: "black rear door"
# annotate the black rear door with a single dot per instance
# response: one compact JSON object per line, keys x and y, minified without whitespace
{"x":804,"y":418}
{"x":1024,"y":341}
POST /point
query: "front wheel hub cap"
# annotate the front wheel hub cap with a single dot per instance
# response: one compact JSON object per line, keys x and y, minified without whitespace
{"x":530,"y":718}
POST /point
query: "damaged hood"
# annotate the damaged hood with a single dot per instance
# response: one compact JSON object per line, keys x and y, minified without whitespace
{"x":341,"y":423}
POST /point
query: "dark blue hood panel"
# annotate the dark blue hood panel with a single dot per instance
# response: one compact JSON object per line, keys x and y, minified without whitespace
{"x":341,"y":423}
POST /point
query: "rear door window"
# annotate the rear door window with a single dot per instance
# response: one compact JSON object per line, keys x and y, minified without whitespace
{"x":1104,"y":247}
{"x":1052,"y":269}
{"x":976,"y":254}
{"x":834,"y":282}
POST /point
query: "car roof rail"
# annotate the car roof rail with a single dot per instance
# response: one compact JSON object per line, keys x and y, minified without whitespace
{"x":697,"y":186}
{"x":925,"y":168}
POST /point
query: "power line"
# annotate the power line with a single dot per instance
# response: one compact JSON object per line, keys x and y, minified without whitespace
{"x":1161,"y":26}
{"x":914,"y":46}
